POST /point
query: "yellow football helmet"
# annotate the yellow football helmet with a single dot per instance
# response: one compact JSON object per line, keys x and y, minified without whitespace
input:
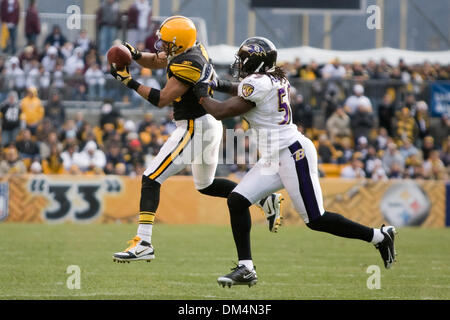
{"x":175,"y":35}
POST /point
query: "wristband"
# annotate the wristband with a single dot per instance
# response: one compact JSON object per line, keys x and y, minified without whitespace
{"x":133,"y":84}
{"x":153,"y":96}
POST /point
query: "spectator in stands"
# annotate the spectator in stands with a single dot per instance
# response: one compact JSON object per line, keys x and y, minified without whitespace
{"x":83,"y":41}
{"x":410,"y":102}
{"x":325,"y":149}
{"x":333,"y":70}
{"x":10,"y":14}
{"x":378,"y":173}
{"x":109,"y":114}
{"x":386,"y":112}
{"x":54,"y":110}
{"x":338,"y":124}
{"x":151,"y":39}
{"x":382,"y":139}
{"x":358,"y":98}
{"x":139,"y":21}
{"x":74,"y":62}
{"x":50,"y":59}
{"x":445,"y":152}
{"x":55,"y":38}
{"x":134,"y":154}
{"x":354,"y":170}
{"x":362,"y":120}
{"x":91,"y":158}
{"x":77,"y":86}
{"x":68,"y":156}
{"x":12,"y":164}
{"x":32,"y":23}
{"x":405,"y":126}
{"x":407,"y":150}
{"x":36,"y":167}
{"x":46,"y":142}
{"x":393,"y":162}
{"x":58,"y":79}
{"x":302,"y":113}
{"x":53,"y":164}
{"x":28,"y":149}
{"x":108,"y":20}
{"x":15,"y":75}
{"x":33,"y":109}
{"x":95,"y":80}
{"x":66,"y":51}
{"x":434,"y":168}
{"x":427,"y":147}
{"x":27,"y":57}
{"x":440,"y":130}
{"x":422,"y":119}
{"x":12,"y":120}
{"x":113,"y":157}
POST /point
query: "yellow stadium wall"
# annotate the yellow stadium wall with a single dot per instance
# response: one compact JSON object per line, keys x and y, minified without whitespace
{"x":86,"y":199}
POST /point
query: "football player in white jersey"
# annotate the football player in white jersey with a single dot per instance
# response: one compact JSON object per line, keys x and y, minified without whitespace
{"x":262,"y":97}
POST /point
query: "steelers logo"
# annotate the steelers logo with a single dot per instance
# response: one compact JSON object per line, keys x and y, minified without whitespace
{"x":247,"y":89}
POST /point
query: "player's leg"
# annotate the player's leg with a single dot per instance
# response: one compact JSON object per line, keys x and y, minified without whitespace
{"x":163,"y":166}
{"x":298,"y":171}
{"x":206,"y":151}
{"x":254,"y":186}
{"x":205,"y":165}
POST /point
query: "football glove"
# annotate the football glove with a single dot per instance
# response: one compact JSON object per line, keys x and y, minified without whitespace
{"x":208,"y":77}
{"x":135,"y":53}
{"x":123,"y":76}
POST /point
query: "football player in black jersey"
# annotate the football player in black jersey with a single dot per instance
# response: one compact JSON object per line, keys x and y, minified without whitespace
{"x":184,"y":59}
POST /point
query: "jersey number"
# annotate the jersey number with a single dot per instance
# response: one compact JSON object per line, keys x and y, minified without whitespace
{"x":284,"y":106}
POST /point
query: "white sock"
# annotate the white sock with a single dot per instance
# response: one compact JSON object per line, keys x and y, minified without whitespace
{"x":247,"y":263}
{"x":145,"y":232}
{"x":377,"y":236}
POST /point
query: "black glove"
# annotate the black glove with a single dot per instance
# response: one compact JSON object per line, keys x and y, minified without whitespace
{"x":135,"y":53}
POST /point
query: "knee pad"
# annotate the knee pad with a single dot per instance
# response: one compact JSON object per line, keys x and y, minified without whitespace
{"x":237,"y":202}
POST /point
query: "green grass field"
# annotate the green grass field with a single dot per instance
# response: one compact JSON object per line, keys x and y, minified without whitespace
{"x":296,"y":263}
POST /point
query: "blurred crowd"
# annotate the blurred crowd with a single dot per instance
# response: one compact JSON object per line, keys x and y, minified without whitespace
{"x":361,"y":136}
{"x":79,"y":68}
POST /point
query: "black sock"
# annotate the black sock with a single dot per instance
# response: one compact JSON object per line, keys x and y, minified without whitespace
{"x":340,"y":226}
{"x":219,"y":188}
{"x":149,"y":195}
{"x":241,"y":224}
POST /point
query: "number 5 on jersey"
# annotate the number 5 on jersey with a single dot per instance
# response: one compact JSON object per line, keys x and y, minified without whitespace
{"x":284,"y":106}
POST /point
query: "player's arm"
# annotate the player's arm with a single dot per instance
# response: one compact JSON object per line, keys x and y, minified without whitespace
{"x":159,"y":98}
{"x":146,"y":59}
{"x":229,"y":108}
{"x":225,"y":86}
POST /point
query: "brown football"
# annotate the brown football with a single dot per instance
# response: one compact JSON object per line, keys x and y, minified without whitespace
{"x":120,"y":55}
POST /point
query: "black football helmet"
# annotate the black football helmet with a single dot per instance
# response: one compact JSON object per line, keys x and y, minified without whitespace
{"x":255,"y":55}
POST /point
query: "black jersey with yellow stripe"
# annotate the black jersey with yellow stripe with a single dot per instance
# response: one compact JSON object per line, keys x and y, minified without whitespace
{"x":187,"y":68}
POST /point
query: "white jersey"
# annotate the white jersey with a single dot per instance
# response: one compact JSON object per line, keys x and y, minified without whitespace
{"x":271,"y":118}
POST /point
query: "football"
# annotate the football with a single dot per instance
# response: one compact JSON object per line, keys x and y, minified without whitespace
{"x":120,"y":55}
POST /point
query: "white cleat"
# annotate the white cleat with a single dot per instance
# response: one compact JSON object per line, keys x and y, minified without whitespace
{"x":138,"y":250}
{"x":271,"y":206}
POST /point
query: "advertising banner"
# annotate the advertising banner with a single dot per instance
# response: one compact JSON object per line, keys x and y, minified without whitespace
{"x":113,"y":199}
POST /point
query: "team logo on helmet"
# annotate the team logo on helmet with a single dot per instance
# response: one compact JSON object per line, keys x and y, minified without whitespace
{"x":247,"y":89}
{"x":254,"y":49}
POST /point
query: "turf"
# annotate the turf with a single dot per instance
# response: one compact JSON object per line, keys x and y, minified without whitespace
{"x":296,"y":263}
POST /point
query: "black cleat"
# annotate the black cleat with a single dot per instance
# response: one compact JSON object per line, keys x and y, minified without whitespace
{"x":240,"y":275}
{"x":386,"y":247}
